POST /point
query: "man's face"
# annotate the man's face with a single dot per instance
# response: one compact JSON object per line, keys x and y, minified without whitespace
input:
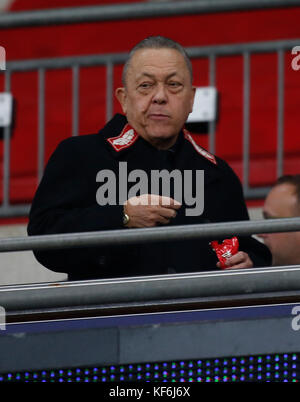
{"x":158,"y":96}
{"x":281,"y":202}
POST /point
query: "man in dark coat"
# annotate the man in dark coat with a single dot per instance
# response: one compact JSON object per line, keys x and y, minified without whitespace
{"x":141,"y":170}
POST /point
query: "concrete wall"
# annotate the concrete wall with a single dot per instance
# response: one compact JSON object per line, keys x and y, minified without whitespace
{"x":22,"y":268}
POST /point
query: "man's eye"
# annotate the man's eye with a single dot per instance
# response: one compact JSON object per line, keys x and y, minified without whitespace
{"x":145,"y":85}
{"x":174,"y":84}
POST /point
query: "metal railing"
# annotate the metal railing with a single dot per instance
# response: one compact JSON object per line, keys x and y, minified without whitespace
{"x":137,"y":294}
{"x":133,"y":11}
{"x":146,"y":235}
{"x":136,"y":11}
{"x":75,"y":63}
{"x":87,"y":293}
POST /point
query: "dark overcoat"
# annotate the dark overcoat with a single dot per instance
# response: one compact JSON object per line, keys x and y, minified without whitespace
{"x":67,"y":200}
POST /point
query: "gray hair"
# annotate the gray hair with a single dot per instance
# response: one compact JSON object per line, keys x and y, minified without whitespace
{"x":157,"y":42}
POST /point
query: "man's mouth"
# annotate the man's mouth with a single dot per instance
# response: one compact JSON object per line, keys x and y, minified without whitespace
{"x":158,"y":116}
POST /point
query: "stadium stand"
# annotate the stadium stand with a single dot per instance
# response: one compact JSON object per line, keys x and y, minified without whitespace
{"x":244,"y":52}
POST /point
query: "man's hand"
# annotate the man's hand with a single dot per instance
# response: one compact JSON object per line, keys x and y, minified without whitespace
{"x":239,"y":260}
{"x":149,"y":210}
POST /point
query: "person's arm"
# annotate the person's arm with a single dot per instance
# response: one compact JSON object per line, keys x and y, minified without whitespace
{"x":65,"y":202}
{"x":252,"y":252}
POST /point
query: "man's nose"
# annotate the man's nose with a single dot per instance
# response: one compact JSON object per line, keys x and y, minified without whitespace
{"x":160,"y":95}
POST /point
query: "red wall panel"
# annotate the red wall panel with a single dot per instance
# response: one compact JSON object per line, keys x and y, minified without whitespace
{"x":120,"y":36}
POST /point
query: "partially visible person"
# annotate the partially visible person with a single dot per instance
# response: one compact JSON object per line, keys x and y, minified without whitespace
{"x":283,"y":201}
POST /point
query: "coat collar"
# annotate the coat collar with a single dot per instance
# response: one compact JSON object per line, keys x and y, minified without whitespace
{"x":124,"y":140}
{"x":121,"y":137}
{"x":118,"y":135}
{"x":201,"y":151}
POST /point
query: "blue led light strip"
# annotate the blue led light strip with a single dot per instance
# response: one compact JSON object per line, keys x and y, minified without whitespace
{"x":262,"y":368}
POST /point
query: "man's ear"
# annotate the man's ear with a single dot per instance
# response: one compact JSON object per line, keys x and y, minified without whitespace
{"x":121,"y":96}
{"x":193,"y":98}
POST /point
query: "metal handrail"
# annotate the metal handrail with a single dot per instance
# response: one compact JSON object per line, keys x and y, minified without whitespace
{"x":146,"y":235}
{"x":158,"y":290}
{"x":162,"y":292}
{"x":133,"y":11}
{"x":109,"y":60}
{"x":119,"y":58}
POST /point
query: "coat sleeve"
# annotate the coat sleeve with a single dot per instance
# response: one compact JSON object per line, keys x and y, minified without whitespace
{"x":234,"y":208}
{"x":65,"y":202}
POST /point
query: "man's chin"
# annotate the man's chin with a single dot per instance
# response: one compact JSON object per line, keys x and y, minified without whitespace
{"x":162,"y":137}
{"x":161,"y":131}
